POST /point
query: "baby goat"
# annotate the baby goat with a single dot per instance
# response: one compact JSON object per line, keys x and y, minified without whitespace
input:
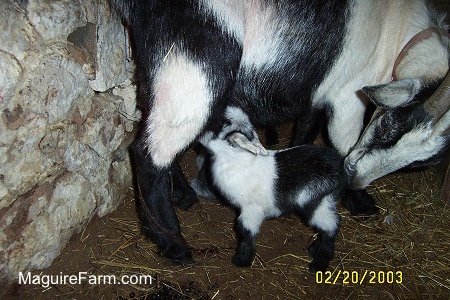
{"x":266,"y":184}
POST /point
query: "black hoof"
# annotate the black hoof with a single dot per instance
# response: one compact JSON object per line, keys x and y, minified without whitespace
{"x":178,"y":254}
{"x":319,"y":262}
{"x":359,"y":203}
{"x":313,"y":247}
{"x":318,"y":265}
{"x":241,"y":261}
{"x":321,"y":250}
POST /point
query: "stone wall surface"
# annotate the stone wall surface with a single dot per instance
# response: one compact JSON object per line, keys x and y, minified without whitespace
{"x":67,"y":112}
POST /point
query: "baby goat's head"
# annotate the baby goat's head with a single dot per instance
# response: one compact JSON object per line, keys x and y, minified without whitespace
{"x":238,"y":132}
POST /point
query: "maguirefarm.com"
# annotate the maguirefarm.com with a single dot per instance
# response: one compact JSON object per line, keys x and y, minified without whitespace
{"x":82,"y":277}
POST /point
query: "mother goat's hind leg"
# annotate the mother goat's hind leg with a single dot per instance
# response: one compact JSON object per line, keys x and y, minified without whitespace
{"x":155,"y":207}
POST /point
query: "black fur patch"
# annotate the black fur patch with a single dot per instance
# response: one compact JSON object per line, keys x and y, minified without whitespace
{"x":281,"y":92}
{"x":318,"y":169}
{"x":155,"y":207}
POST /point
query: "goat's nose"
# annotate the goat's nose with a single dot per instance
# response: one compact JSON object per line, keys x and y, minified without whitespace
{"x":352,"y":159}
{"x":355,"y":155}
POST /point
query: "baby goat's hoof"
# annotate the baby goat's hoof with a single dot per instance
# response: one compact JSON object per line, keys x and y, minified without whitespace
{"x":313,"y":247}
{"x":241,"y":261}
{"x":318,"y":265}
{"x":321,"y":253}
{"x":359,"y":203}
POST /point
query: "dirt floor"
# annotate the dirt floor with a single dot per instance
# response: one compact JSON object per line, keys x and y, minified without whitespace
{"x":402,"y":253}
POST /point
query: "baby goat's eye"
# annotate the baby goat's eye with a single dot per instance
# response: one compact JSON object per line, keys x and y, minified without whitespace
{"x":384,"y":123}
{"x":232,"y":144}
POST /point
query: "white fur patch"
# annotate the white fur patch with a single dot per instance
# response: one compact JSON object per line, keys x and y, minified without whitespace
{"x":419,"y":63}
{"x":262,"y":43}
{"x":419,"y":144}
{"x":246,"y":180}
{"x":237,"y":115}
{"x":354,"y":69}
{"x":229,"y":15}
{"x":181,"y":107}
{"x":325,"y":216}
{"x":346,"y":123}
{"x":304,"y":196}
{"x":254,"y":24}
{"x":251,"y":218}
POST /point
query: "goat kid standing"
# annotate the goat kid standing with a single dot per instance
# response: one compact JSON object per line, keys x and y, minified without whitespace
{"x":265,"y":184}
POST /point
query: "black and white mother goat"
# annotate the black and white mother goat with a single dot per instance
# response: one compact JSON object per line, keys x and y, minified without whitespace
{"x":280,"y":60}
{"x":306,"y":179}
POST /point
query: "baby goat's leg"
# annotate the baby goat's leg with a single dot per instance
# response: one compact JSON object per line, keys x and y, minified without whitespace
{"x":247,"y":227}
{"x":322,"y":251}
{"x":326,"y":221}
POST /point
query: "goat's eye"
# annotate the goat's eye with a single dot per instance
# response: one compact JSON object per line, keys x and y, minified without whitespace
{"x":384,"y":122}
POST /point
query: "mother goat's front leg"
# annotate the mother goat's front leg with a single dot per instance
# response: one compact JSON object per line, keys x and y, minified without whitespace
{"x":345,"y":125}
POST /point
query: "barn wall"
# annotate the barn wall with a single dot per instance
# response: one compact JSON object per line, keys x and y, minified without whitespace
{"x":67,"y":110}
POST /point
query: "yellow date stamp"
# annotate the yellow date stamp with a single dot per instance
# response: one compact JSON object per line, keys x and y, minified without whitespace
{"x":359,"y":277}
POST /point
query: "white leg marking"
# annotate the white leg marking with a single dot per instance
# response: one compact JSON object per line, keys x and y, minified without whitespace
{"x":181,"y":107}
{"x":251,"y":218}
{"x":346,"y":124}
{"x":229,"y":15}
{"x":304,"y":196}
{"x":325,"y":216}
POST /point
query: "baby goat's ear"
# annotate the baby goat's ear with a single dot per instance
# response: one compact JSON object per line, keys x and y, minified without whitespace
{"x":237,"y":139}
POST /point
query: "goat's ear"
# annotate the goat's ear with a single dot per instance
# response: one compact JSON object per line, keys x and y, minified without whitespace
{"x":239,"y":140}
{"x":394,"y":94}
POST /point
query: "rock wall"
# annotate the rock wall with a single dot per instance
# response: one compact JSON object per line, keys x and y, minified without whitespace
{"x":67,"y":111}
